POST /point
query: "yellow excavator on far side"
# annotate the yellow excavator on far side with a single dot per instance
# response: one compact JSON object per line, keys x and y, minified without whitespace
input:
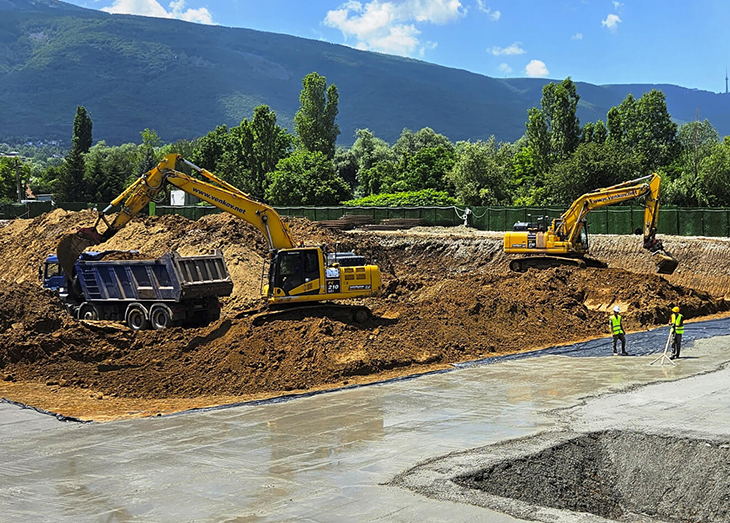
{"x":564,"y":241}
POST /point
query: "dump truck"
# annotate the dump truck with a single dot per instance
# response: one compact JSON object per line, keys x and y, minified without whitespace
{"x":168,"y":291}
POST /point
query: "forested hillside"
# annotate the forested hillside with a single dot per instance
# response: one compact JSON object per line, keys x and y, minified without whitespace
{"x":184,"y":79}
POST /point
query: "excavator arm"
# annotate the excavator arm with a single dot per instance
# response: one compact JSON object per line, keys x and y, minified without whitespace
{"x":149,"y":186}
{"x":572,"y":220}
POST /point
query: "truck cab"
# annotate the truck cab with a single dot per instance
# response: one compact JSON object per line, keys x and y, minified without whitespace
{"x":52,"y":275}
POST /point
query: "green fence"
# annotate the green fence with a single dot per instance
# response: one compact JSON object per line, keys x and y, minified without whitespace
{"x":622,"y":219}
{"x":609,"y":220}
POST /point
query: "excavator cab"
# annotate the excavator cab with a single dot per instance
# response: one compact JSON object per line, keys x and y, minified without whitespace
{"x":296,"y":272}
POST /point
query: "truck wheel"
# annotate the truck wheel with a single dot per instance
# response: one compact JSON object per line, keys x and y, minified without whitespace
{"x":160,"y":317}
{"x":137,"y":318}
{"x":88,"y":312}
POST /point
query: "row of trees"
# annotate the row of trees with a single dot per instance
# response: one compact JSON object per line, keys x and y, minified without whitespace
{"x":556,"y":160}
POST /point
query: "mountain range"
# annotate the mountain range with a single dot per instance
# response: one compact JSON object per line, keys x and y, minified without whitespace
{"x":184,"y":79}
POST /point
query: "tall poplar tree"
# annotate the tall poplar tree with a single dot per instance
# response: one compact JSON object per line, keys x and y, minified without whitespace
{"x":70,"y":186}
{"x":314,"y":122}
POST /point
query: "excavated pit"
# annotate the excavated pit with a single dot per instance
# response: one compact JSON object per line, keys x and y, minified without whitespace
{"x":617,"y":475}
{"x":448,"y":297}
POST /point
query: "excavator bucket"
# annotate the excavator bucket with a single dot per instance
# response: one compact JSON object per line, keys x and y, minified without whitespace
{"x":665,"y":262}
{"x":72,"y":245}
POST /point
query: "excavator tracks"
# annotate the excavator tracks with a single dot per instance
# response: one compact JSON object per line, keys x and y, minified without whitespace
{"x":547,"y":262}
{"x":345,"y":313}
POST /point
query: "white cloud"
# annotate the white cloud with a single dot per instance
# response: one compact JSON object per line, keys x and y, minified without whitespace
{"x":611,"y":22}
{"x":536,"y":69}
{"x":389,"y":26}
{"x":511,"y":50}
{"x":493,"y":15}
{"x":617,"y":5}
{"x":153,"y":8}
{"x":504,"y":68}
{"x":577,"y":36}
{"x":428,"y":46}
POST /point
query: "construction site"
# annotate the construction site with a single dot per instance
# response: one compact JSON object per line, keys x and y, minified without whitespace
{"x":448,"y":304}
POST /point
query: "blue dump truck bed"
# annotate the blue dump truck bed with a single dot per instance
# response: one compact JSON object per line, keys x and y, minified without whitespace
{"x":171,"y":278}
{"x":169,"y":291}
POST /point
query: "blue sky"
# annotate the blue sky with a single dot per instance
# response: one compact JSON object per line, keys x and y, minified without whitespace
{"x":680,"y":42}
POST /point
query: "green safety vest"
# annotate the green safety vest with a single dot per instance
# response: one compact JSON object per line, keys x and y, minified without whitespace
{"x":616,"y":324}
{"x":678,"y":324}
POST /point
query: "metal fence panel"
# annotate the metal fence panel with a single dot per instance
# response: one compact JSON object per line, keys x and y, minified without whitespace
{"x":691,"y":222}
{"x":597,"y":221}
{"x":498,"y":219}
{"x":716,"y":222}
{"x":513,"y":215}
{"x":619,"y":220}
{"x":668,"y":221}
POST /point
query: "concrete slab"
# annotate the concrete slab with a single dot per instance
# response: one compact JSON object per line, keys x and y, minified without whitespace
{"x":328,"y":457}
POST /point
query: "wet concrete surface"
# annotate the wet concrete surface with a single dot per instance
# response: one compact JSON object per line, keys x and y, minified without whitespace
{"x":329,"y":457}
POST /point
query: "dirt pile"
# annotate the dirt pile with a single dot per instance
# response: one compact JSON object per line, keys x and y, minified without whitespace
{"x":422,"y":321}
{"x":441,"y":304}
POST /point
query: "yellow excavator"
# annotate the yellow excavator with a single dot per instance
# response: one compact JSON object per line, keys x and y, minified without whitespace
{"x":564,"y":241}
{"x":299,"y":276}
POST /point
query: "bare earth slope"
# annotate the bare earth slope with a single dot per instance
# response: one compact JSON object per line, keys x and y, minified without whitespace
{"x":448,"y":298}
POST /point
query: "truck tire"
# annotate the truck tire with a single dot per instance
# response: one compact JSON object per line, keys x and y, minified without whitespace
{"x":87,"y":311}
{"x":136,"y":317}
{"x":160,"y":316}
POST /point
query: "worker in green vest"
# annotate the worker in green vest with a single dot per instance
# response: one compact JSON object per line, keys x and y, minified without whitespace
{"x":677,"y":323}
{"x":617,"y":329}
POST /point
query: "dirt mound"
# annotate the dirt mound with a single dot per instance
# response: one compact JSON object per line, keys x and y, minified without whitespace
{"x":421,"y":322}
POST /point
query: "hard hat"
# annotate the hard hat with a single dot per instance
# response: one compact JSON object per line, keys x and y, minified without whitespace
{"x":617,"y":309}
{"x":675,"y":309}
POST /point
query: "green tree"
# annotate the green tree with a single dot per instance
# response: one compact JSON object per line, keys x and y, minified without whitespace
{"x":306,"y":178}
{"x":9,"y":168}
{"x":592,"y":166}
{"x":70,"y":185}
{"x":560,"y":104}
{"x":538,"y":141}
{"x":426,"y":169}
{"x":409,"y":143}
{"x":210,"y":148}
{"x":314,"y":122}
{"x":697,"y":141}
{"x":378,"y":178}
{"x":404,"y":199}
{"x":481,"y":173}
{"x":600,"y":132}
{"x":262,"y":144}
{"x":82,"y":130}
{"x":109,"y":169}
{"x":369,"y":149}
{"x":645,"y":126}
{"x":148,"y":157}
{"x":713,"y":187}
